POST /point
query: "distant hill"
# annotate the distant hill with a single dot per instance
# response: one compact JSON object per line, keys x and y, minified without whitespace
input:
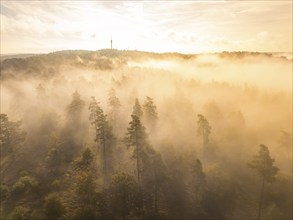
{"x":10,"y":56}
{"x":46,"y":65}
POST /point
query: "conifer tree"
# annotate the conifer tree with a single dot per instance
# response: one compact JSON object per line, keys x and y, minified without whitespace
{"x":137,"y":110}
{"x":136,"y":137}
{"x":114,"y":104}
{"x":103,"y":134}
{"x":125,"y":195}
{"x":73,"y":131}
{"x":11,"y":135}
{"x":198,"y":184}
{"x":150,"y":112}
{"x":204,"y":129}
{"x":76,"y":106}
{"x":263,"y":165}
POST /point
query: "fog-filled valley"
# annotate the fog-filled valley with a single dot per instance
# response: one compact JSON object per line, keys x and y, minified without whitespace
{"x":115,"y":134}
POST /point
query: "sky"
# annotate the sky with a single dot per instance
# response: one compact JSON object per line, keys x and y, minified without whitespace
{"x":165,"y":26}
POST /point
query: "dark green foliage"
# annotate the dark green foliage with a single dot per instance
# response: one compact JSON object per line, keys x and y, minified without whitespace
{"x":263,"y":164}
{"x":54,"y":207}
{"x":10,"y":134}
{"x":4,"y":191}
{"x":199,"y":175}
{"x":136,"y":134}
{"x":20,"y":213}
{"x":198,"y":185}
{"x":176,"y":199}
{"x":87,"y":156}
{"x":85,"y":188}
{"x":164,"y":180}
{"x":54,"y":157}
{"x":24,"y":184}
{"x":103,"y":135}
{"x":136,"y":137}
{"x":86,"y":213}
{"x":153,"y":181}
{"x":125,"y":195}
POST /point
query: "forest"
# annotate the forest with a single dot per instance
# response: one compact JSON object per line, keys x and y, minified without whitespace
{"x":130,"y":135}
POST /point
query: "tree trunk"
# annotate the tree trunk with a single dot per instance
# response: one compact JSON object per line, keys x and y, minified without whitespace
{"x":105,"y":163}
{"x":137,"y":158}
{"x":137,"y":165}
{"x":156,"y":191}
{"x":261,"y":198}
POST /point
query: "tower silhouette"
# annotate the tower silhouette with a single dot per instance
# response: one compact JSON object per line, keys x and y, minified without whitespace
{"x":111,"y":43}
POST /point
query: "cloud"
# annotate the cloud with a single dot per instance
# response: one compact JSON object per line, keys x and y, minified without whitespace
{"x":160,"y":26}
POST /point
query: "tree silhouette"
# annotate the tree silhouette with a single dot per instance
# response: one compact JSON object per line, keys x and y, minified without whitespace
{"x":150,"y":112}
{"x":11,"y":135}
{"x":137,"y":110}
{"x":73,"y":132}
{"x":198,"y":187}
{"x":114,"y":104}
{"x":136,"y":138}
{"x":103,"y":134}
{"x":204,"y":128}
{"x":125,"y":195}
{"x":263,"y":164}
{"x":76,"y":106}
{"x":54,"y":207}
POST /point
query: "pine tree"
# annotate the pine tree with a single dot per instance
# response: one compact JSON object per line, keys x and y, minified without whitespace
{"x":93,"y":107}
{"x":204,"y":129}
{"x":137,"y":110}
{"x":125,"y":195}
{"x":150,"y":112}
{"x":103,"y":134}
{"x":76,"y":106}
{"x":11,"y":135}
{"x":263,"y":164}
{"x":154,"y":179}
{"x":114,"y":104}
{"x":73,"y":132}
{"x":54,"y":156}
{"x":199,"y":176}
{"x":54,"y":207}
{"x":198,"y":184}
{"x":136,"y":137}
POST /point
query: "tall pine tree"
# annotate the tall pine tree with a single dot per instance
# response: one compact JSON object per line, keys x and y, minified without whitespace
{"x":150,"y":112}
{"x":137,"y":110}
{"x":263,"y":165}
{"x":103,"y":136}
{"x":114,"y":105}
{"x":136,"y":137}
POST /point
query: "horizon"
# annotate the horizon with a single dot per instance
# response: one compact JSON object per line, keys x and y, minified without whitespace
{"x":163,"y":52}
{"x":189,"y":27}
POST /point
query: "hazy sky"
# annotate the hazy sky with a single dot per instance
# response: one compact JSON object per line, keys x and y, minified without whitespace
{"x":182,"y":26}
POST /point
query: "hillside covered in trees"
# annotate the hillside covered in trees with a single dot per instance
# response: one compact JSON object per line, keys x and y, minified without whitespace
{"x":102,"y":135}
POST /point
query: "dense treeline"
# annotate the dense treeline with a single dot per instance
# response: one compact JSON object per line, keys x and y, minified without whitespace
{"x":125,"y":150}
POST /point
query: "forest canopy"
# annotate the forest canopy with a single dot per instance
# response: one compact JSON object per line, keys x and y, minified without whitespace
{"x":134,"y":135}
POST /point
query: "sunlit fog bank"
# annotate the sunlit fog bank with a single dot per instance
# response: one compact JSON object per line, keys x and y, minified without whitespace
{"x":245,"y":97}
{"x":253,"y":88}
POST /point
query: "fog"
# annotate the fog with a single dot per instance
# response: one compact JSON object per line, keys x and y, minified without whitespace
{"x":246,"y":98}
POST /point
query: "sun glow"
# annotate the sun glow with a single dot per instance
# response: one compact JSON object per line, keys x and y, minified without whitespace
{"x":186,"y":27}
